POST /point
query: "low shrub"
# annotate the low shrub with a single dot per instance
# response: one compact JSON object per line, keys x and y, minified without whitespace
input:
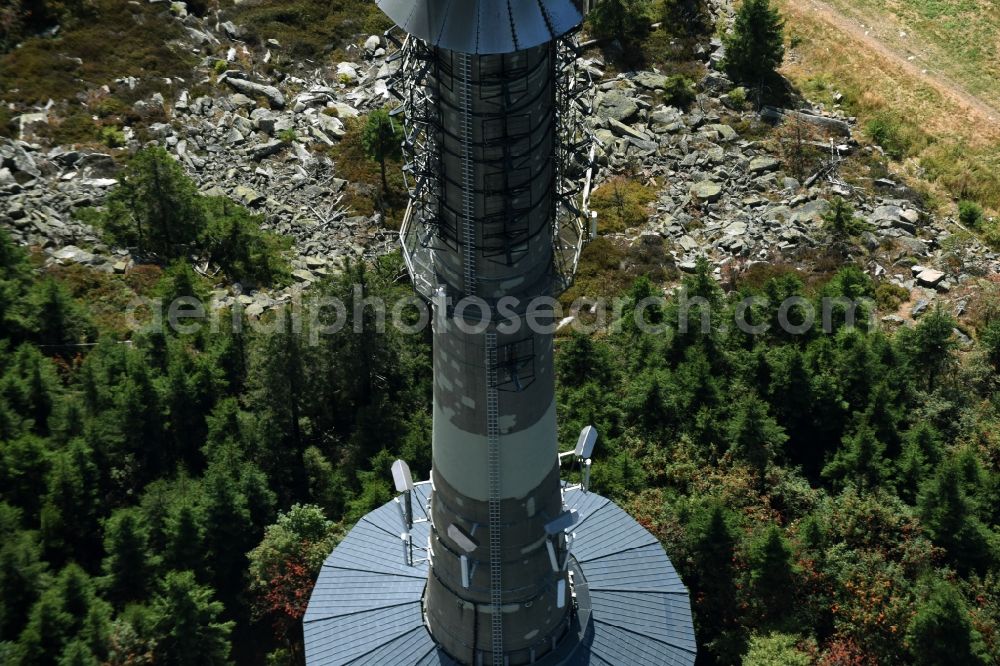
{"x":679,"y":91}
{"x":886,"y":129}
{"x":889,"y":296}
{"x":970,"y":214}
{"x":621,"y":203}
{"x":991,"y":235}
{"x":599,"y":273}
{"x":738,"y":98}
{"x":112,"y":137}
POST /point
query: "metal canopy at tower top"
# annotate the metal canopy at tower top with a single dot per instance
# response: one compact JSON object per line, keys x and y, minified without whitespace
{"x":484,"y":26}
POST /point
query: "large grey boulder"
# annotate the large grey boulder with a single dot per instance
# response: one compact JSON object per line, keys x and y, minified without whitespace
{"x":372,"y":44}
{"x":725,"y":132}
{"x":763,"y":163}
{"x":651,"y":80}
{"x":73,"y":254}
{"x":617,"y":106}
{"x":247,"y":196}
{"x":347,"y":73}
{"x":666,"y":119}
{"x":333,"y":127}
{"x":274,"y":96}
{"x":835,"y":126}
{"x":621,"y":129}
{"x":267,"y":149}
{"x":930,"y":278}
{"x":707,"y":190}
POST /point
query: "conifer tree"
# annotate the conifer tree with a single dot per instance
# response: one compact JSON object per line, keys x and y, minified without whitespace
{"x":185,"y":538}
{"x":156,"y":206}
{"x":187,"y":623}
{"x":31,"y":387}
{"x":860,"y":461}
{"x":753,"y":435}
{"x":950,"y":518}
{"x":67,"y":611}
{"x":235,"y":506}
{"x":279,"y":395}
{"x":840,"y":222}
{"x":233,"y":239}
{"x":382,"y":139}
{"x":929,"y":346}
{"x":686,"y":18}
{"x":141,"y":421}
{"x":989,"y":338}
{"x":921,"y":453}
{"x":772,"y":583}
{"x":327,"y":483}
{"x":941,"y":633}
{"x":24,"y":467}
{"x":625,"y":20}
{"x":126,"y":566}
{"x":15,"y":277}
{"x":22,"y":571}
{"x":755,"y":48}
{"x":578,"y":360}
{"x":642,"y":294}
{"x":70,"y":509}
{"x":790,"y":394}
{"x":713,"y":584}
{"x":56,"y":319}
{"x":78,"y":654}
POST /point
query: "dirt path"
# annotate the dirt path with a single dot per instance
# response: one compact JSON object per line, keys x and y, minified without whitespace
{"x":945,"y":85}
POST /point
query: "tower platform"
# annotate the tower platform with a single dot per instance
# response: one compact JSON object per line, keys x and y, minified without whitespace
{"x":631,"y":606}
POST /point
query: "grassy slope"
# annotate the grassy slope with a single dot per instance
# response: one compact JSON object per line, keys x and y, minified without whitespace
{"x":958,"y":152}
{"x":959,"y":38}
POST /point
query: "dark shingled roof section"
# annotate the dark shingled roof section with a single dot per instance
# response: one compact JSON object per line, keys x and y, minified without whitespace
{"x":366,"y":606}
{"x":484,"y":26}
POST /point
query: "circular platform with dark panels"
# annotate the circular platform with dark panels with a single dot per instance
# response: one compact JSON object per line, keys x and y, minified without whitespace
{"x":632,"y":606}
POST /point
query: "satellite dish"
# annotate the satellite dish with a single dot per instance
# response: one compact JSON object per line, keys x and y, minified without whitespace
{"x":565,"y":521}
{"x":464,"y":541}
{"x":401,"y":476}
{"x":585,"y":445}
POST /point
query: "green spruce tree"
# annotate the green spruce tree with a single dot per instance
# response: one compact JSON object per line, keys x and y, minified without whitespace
{"x":941,"y":633}
{"x":187,"y":623}
{"x":382,"y":139}
{"x":755,"y":48}
{"x":772,"y":588}
{"x":127,"y":565}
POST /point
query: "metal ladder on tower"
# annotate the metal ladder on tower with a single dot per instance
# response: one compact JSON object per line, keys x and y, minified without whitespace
{"x":468,"y":179}
{"x":493,"y":438}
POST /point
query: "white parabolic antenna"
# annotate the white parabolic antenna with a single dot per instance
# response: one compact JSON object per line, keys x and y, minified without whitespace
{"x":401,"y":476}
{"x":585,"y":445}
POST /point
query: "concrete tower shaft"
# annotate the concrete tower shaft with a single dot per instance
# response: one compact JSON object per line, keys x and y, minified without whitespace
{"x":497,"y":171}
{"x":484,"y":97}
{"x":502,"y":564}
{"x":495,"y":469}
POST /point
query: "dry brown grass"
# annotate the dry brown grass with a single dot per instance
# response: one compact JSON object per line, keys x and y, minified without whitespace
{"x":874,"y":81}
{"x":955,"y":39}
{"x":948,"y":141}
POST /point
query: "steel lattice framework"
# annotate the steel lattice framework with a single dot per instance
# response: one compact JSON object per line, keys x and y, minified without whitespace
{"x":425,"y":229}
